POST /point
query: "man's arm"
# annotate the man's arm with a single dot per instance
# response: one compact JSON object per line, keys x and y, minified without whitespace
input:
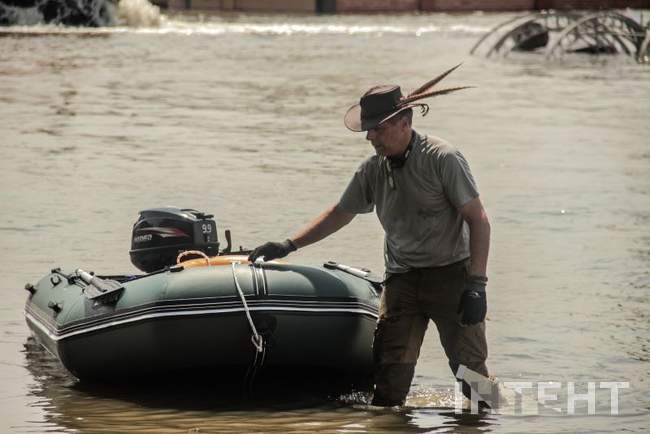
{"x":330,"y":221}
{"x":479,"y":235}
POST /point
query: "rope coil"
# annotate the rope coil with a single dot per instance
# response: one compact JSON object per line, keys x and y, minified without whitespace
{"x":192,"y":252}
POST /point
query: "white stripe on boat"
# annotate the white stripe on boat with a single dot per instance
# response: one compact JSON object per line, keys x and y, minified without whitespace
{"x":56,"y":337}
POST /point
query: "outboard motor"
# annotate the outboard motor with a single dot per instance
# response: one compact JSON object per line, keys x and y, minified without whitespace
{"x":160,"y":234}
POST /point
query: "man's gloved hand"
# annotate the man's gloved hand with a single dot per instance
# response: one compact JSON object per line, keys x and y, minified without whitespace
{"x":473,"y":302}
{"x":273,"y":250}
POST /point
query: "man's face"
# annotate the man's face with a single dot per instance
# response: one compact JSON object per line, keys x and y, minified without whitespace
{"x":386,"y":137}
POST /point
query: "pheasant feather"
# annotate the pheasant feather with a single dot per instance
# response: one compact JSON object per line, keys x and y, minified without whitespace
{"x":431,"y":93}
{"x":426,"y":86}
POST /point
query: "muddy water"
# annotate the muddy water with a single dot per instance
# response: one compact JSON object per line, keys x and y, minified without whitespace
{"x":241,"y":116}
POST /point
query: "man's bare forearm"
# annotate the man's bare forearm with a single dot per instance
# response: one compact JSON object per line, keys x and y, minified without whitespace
{"x":330,"y":221}
{"x":479,"y":236}
{"x":479,"y":246}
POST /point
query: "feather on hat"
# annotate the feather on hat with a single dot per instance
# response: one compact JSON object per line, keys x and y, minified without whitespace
{"x":381,"y":103}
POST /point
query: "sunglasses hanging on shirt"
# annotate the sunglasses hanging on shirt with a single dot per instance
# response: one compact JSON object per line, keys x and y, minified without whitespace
{"x":396,"y":162}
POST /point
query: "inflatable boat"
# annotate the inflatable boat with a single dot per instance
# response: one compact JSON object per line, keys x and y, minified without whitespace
{"x":207,"y":313}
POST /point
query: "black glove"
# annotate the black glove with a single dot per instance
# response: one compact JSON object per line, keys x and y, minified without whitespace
{"x":273,"y":250}
{"x":473,"y":302}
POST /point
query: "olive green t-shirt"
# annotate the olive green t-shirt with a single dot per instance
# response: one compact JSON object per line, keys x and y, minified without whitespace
{"x":418,"y":207}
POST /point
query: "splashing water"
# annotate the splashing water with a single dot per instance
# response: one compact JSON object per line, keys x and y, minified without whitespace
{"x":138,"y":13}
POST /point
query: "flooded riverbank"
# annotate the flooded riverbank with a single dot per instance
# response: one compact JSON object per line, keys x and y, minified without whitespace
{"x":241,"y":116}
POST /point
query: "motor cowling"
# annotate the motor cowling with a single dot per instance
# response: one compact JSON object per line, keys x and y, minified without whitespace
{"x":160,"y":234}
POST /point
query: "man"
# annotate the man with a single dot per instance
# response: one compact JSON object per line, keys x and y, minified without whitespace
{"x":437,"y":238}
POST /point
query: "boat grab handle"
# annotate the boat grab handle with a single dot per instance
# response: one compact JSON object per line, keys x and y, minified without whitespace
{"x":256,"y":338}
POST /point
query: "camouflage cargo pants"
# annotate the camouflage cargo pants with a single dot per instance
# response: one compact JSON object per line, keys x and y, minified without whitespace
{"x":408,"y":302}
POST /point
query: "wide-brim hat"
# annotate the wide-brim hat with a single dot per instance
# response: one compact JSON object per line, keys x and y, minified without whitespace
{"x":381,"y":103}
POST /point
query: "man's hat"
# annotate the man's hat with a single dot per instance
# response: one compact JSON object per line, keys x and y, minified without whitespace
{"x":381,"y":103}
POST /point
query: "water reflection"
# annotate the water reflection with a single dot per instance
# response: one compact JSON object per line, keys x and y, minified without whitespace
{"x":173,"y":406}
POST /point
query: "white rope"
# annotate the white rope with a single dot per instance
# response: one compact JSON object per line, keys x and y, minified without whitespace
{"x":256,"y":339}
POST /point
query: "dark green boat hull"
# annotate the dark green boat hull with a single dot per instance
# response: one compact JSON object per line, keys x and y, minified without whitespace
{"x":193,"y":322}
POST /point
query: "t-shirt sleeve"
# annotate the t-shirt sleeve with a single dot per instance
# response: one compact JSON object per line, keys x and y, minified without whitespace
{"x":457,"y":179}
{"x":357,"y":197}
